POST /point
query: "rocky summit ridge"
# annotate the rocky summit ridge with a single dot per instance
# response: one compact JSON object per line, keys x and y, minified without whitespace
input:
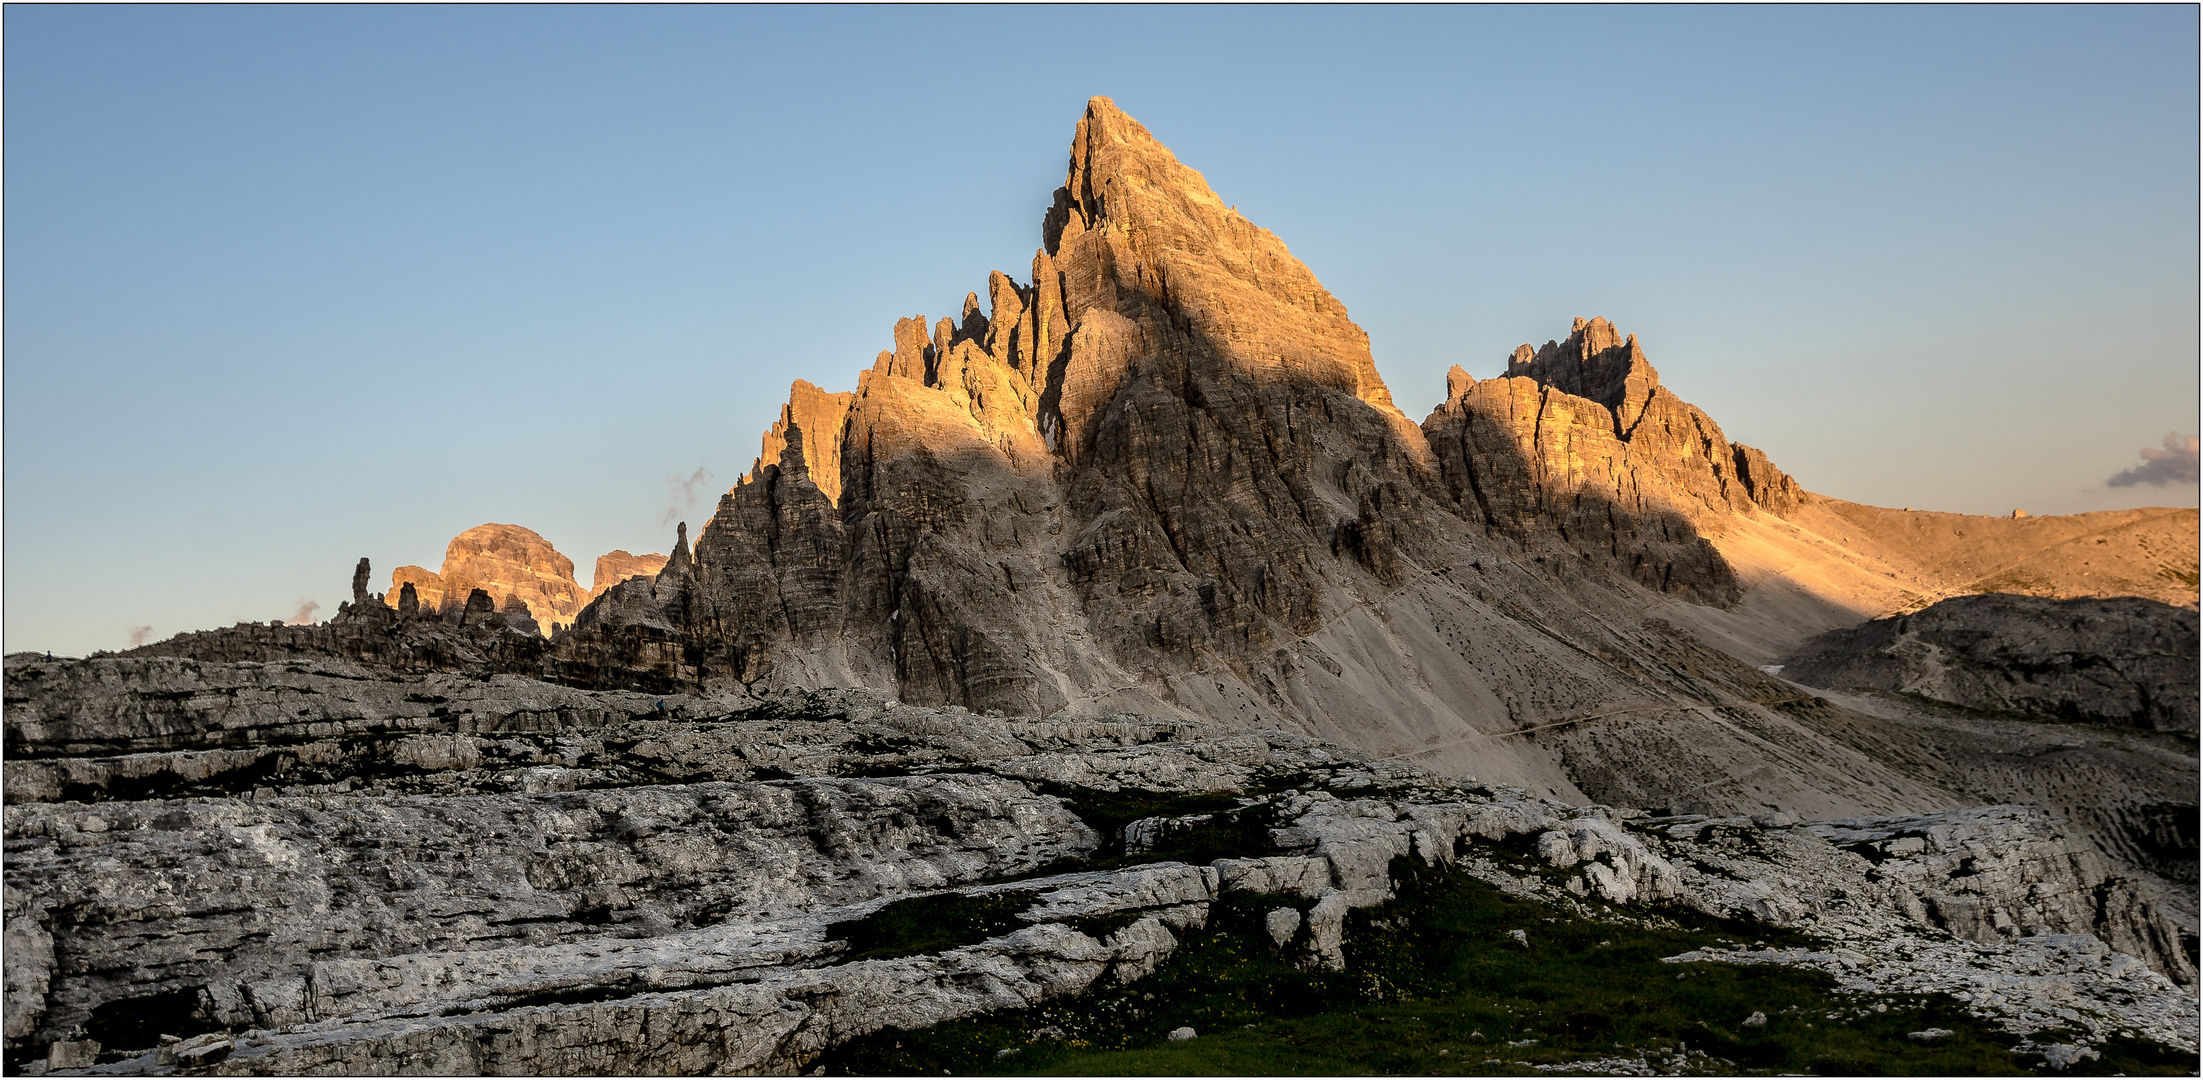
{"x":1116,"y":620}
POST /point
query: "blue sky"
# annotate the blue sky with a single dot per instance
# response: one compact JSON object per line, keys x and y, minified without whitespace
{"x":288,"y":286}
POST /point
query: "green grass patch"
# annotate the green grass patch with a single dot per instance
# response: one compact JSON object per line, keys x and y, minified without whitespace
{"x":930,"y":924}
{"x":1436,"y":984}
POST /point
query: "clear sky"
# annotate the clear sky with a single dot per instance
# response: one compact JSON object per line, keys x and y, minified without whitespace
{"x":288,"y":286}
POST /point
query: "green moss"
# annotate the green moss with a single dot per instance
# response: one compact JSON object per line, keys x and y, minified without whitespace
{"x":1436,"y":984}
{"x":930,"y":924}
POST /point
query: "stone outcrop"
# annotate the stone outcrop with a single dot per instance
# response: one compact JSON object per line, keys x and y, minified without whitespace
{"x":427,"y":587}
{"x":517,"y":877}
{"x":617,"y":566}
{"x":940,"y":570}
{"x":473,"y":635}
{"x":513,"y":565}
{"x":2127,"y":661}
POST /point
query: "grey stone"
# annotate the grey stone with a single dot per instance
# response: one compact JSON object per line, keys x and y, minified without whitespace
{"x":2063,"y":1056}
{"x":2123,"y":660}
{"x":72,"y":1054}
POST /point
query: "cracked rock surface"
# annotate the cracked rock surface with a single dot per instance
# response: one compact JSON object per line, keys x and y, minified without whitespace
{"x":552,"y":897}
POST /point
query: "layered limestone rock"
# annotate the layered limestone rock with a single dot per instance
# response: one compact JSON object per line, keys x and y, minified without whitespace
{"x":940,"y":569}
{"x":395,"y":632}
{"x":2127,"y":661}
{"x":1160,"y":480}
{"x":617,"y":566}
{"x":427,"y":587}
{"x":540,"y":879}
{"x":1580,"y":443}
{"x":513,"y":565}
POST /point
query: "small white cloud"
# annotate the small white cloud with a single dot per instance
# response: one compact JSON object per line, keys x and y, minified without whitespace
{"x":2175,"y":464}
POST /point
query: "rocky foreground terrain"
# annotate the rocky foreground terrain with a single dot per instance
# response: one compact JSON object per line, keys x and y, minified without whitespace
{"x":1116,"y":670}
{"x":453,"y":874}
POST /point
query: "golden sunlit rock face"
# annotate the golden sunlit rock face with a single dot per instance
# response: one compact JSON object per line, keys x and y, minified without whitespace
{"x":614,"y":567}
{"x":814,"y":417}
{"x":511,"y":564}
{"x":1164,"y":473}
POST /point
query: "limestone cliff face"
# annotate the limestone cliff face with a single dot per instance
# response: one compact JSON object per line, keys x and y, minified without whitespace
{"x":1672,"y":440}
{"x":1159,"y":480}
{"x":513,"y":565}
{"x":427,"y":586}
{"x":1233,"y":459}
{"x":617,"y":566}
{"x":1149,"y":264}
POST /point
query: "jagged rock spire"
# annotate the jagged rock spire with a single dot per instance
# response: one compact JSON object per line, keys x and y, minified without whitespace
{"x":1132,"y":229}
{"x":813,"y":419}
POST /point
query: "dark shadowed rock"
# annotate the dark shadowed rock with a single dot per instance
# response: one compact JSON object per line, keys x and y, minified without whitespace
{"x":2126,"y":661}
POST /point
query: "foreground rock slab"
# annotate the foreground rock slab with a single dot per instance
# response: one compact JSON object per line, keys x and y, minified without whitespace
{"x":482,"y":911}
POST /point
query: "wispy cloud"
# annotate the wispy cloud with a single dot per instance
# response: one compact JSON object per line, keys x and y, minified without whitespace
{"x":304,"y":614}
{"x":138,"y":634}
{"x":682,"y":494}
{"x":2175,"y":464}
